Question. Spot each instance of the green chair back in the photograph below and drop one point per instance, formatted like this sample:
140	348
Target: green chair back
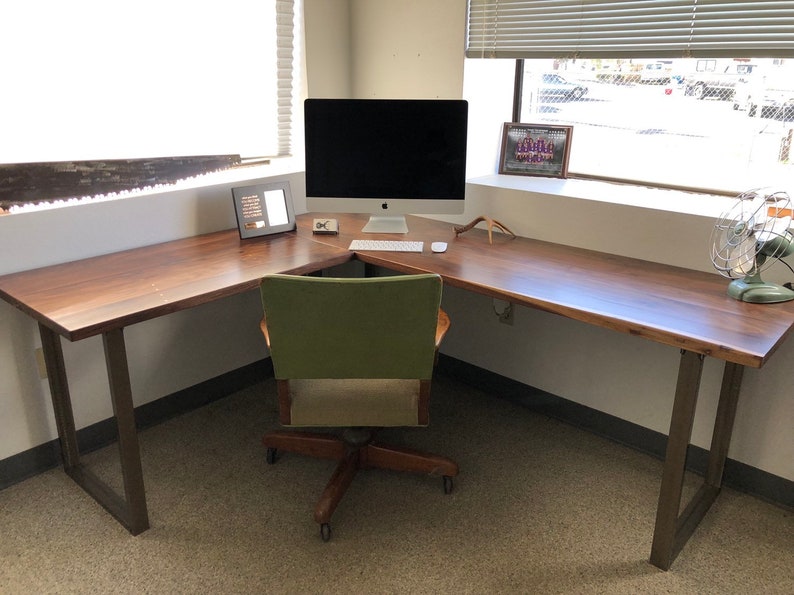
379	327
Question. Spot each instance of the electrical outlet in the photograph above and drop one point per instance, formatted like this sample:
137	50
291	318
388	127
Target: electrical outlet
506	317
40	363
504	311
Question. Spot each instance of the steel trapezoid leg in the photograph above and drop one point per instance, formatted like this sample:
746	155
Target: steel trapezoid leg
663	550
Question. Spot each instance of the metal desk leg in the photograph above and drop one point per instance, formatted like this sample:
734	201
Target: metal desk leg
129	510
59	392
673	529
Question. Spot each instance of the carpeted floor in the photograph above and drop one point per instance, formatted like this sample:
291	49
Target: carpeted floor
539	507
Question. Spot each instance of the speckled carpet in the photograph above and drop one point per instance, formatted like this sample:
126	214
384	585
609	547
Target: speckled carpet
539	507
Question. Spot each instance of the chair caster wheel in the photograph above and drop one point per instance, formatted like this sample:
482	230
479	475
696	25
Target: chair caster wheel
447	484
325	531
270	457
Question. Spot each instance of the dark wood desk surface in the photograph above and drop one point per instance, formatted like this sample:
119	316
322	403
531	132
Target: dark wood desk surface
674	306
88	297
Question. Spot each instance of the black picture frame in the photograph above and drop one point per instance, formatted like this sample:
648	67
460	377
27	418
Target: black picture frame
263	209
535	150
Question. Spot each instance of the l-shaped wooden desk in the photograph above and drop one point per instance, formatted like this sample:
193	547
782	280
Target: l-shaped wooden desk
685	309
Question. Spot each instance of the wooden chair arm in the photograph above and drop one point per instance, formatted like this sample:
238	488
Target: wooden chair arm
442	327
263	328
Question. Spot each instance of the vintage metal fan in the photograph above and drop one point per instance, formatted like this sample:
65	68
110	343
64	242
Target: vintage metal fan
748	238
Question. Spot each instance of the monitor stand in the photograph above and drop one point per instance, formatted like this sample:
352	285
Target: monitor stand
381	224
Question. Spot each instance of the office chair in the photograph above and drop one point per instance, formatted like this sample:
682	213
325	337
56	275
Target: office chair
356	354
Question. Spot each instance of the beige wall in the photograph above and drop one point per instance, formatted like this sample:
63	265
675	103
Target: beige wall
328	53
385	48
407	48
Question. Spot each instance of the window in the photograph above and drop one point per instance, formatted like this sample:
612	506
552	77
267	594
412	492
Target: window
146	86
652	89
679	123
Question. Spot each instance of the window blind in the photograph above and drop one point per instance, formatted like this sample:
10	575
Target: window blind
630	29
94	80
285	68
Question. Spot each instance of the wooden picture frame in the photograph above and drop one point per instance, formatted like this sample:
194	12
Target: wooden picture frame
535	150
263	209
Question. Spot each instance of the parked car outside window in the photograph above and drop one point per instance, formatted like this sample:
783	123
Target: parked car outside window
553	86
774	95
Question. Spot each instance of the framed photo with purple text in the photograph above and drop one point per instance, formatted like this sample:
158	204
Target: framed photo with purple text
535	150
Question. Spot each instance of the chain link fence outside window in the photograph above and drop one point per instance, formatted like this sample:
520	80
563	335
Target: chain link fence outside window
715	124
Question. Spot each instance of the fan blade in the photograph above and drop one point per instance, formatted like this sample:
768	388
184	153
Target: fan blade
775	226
741	258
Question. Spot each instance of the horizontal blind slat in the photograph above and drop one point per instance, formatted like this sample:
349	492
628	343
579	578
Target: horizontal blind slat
521	29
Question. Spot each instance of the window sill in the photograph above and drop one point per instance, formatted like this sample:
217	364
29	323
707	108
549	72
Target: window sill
673	201
658	225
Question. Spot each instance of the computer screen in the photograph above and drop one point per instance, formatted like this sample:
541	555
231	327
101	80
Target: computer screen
386	157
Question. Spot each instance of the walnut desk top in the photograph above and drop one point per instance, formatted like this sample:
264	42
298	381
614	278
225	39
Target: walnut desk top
670	305
88	297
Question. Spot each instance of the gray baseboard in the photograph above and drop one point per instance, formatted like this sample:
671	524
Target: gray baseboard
739	476
48	455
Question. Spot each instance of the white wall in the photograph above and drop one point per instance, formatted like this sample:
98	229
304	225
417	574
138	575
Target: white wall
625	376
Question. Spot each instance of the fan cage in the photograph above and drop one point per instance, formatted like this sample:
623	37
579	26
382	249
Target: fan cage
748	237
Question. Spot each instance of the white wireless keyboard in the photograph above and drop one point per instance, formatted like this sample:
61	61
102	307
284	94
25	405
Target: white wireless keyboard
386	245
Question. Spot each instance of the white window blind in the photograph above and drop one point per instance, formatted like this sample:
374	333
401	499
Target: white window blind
93	80
630	29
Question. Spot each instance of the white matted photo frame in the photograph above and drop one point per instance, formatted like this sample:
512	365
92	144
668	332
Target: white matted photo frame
263	209
535	150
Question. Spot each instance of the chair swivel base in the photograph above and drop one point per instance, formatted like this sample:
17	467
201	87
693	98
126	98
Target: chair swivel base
352	458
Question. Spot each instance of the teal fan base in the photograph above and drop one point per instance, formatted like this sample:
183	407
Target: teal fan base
753	289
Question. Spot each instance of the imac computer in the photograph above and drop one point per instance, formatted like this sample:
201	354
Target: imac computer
386	157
